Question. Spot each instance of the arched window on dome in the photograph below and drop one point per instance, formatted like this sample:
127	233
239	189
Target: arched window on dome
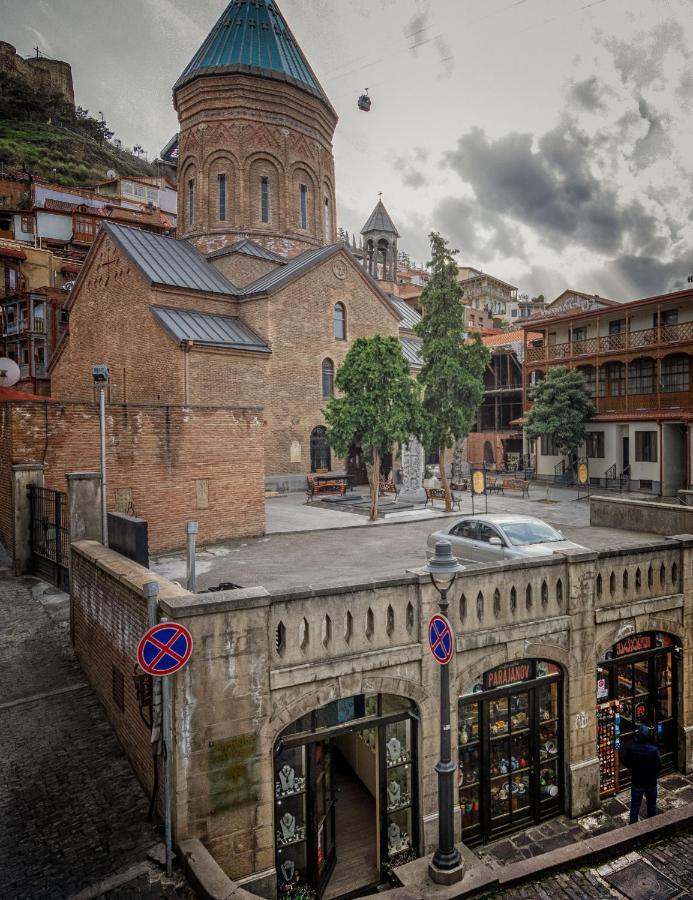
303	206
264	199
191	201
340	322
221	195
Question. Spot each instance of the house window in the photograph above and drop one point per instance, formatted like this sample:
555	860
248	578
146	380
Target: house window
641	376
666	317
675	375
264	199
28	224
303	190
221	179
39	359
85	229
327	379
617	380
340	322
594	444
590	376
580	334
617	326
646	446
548	446
191	201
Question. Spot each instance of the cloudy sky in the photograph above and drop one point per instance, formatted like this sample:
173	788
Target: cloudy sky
550	140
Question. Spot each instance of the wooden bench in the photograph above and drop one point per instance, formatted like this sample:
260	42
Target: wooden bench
333	486
433	494
516	484
493	485
388	487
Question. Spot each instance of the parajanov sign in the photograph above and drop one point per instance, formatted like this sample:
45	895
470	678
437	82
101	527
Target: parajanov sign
634	644
506	675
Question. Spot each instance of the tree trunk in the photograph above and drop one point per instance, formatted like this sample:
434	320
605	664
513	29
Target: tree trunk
375	484
444	479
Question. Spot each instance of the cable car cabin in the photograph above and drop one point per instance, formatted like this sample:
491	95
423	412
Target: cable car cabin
364	102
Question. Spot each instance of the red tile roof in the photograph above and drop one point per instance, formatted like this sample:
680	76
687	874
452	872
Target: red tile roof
9	395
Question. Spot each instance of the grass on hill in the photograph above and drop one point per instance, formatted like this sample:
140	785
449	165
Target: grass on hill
61	156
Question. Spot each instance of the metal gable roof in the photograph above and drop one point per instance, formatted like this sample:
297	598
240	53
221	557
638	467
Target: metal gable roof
409	318
249	248
411	349
294	267
252	36
208	329
169	262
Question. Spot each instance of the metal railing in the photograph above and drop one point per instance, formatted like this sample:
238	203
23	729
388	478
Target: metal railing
612	343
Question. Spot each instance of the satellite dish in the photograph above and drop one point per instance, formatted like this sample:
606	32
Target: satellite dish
111	173
9	372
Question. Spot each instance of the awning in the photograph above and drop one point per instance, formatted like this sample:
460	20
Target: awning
12	252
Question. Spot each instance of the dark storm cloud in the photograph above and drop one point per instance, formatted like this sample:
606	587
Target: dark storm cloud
551	189
588	94
477	231
642	276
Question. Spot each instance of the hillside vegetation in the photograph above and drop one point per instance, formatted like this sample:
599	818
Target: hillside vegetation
44	137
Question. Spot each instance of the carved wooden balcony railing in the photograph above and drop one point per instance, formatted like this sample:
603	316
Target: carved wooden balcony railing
613	343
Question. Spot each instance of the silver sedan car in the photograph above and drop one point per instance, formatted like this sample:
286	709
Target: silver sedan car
491	538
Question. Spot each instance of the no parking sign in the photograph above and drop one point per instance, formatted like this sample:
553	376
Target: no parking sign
164	649
440	639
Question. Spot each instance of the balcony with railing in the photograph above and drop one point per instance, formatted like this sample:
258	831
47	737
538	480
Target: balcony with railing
621	342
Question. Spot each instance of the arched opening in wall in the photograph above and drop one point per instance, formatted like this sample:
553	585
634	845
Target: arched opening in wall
675	373
510	724
327	379
320	456
489	455
365	748
637	684
370	258
327	220
383	260
641	376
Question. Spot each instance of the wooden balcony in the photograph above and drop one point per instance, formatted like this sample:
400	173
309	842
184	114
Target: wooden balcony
623	342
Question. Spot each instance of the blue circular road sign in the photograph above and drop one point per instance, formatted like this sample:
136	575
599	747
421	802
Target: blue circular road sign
440	639
165	648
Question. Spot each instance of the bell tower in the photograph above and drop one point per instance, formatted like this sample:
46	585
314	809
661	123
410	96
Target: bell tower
380	245
255	147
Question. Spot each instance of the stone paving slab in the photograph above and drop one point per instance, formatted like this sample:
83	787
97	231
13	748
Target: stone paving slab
675	790
71	810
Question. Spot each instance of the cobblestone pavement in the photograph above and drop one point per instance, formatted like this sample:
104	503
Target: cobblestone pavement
671	857
73	818
674	790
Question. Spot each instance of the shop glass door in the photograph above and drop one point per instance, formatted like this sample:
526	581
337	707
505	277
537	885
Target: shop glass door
322	842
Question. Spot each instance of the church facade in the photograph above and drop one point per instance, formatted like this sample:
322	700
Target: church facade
253	306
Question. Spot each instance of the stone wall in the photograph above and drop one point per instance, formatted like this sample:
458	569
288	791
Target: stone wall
641	515
263	660
169	464
6	481
49	76
109	616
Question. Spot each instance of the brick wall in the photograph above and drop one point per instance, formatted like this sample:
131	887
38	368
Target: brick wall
109	616
241	269
6	498
173	464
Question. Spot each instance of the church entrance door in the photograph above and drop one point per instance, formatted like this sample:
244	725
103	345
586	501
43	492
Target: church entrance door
356	465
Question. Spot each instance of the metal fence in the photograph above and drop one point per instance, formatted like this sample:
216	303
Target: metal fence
50	535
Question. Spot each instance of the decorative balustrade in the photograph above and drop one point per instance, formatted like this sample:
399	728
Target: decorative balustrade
612	343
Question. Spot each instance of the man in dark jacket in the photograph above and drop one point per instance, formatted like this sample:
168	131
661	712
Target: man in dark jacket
644	762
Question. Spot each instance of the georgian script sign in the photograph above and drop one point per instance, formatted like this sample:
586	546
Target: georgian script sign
634	644
506	675
568	302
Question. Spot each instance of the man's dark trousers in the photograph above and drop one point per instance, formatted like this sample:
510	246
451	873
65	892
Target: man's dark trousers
636	795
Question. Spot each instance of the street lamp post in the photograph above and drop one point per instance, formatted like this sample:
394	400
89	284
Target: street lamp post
447	865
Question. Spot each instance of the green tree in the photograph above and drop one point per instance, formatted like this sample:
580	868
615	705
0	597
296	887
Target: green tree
452	375
562	407
379	405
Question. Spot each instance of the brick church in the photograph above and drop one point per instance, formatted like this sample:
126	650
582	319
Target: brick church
223	343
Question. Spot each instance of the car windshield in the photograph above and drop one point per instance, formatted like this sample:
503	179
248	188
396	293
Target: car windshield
529	532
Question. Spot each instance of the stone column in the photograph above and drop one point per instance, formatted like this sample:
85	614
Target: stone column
412	468
84	506
23	475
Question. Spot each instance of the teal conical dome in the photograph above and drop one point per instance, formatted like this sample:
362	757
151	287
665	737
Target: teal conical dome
252	37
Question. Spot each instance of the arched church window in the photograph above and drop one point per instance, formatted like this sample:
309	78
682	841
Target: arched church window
264	199
191	201
327	379
303	209
221	193
328	227
340	322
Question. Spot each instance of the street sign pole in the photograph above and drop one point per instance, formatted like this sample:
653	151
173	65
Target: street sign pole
168	744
